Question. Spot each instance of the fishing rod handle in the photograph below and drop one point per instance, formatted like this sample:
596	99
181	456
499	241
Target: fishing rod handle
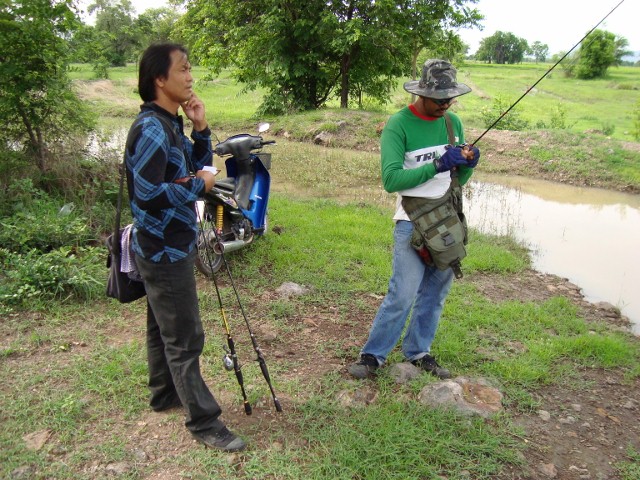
267	377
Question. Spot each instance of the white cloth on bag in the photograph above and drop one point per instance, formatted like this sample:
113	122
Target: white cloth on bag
127	257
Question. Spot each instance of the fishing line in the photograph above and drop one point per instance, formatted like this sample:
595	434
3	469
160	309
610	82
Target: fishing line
545	74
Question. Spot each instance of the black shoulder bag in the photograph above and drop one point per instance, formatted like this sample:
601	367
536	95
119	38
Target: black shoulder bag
119	285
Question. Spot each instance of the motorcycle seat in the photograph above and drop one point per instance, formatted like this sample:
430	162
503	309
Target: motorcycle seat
228	183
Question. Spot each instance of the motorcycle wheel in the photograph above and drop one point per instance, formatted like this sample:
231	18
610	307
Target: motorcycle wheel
207	262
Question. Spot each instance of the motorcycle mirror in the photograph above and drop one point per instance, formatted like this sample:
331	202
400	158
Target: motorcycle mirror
263	127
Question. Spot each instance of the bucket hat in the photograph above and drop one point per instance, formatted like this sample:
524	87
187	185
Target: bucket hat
438	81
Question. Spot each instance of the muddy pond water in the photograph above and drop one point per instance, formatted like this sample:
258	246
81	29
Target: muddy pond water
589	236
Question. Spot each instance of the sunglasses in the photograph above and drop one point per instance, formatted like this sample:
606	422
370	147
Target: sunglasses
441	101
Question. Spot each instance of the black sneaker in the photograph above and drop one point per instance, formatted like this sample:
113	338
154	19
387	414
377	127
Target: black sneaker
428	364
365	367
220	438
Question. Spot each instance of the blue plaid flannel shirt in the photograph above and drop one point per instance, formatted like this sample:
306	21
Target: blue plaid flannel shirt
165	222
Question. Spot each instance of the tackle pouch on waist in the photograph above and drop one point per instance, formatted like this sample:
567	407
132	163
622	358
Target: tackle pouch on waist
439	227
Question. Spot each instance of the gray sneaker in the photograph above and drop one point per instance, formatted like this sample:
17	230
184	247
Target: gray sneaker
366	367
428	364
221	438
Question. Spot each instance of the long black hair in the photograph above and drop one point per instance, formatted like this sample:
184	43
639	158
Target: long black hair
155	63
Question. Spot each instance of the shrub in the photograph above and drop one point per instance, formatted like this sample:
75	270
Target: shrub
35	220
61	274
511	121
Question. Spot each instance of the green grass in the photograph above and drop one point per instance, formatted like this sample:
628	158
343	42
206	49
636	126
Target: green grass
80	370
576	128
629	468
227	102
590	105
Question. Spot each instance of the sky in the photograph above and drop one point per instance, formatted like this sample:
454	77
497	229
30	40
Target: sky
560	24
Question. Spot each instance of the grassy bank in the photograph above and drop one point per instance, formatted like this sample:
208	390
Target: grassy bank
607	105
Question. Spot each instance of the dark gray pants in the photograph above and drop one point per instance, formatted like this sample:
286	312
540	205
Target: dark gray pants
175	339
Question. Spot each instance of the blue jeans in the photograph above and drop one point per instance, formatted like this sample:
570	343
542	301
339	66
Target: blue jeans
412	284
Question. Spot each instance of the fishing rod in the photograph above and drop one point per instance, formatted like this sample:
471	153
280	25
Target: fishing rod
230	358
545	74
260	357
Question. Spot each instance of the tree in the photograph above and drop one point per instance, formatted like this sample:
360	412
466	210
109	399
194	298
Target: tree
116	31
118	36
502	48
87	45
596	54
540	51
38	108
302	53
156	24
428	26
621	50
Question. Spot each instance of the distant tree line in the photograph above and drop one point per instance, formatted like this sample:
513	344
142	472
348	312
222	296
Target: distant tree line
599	51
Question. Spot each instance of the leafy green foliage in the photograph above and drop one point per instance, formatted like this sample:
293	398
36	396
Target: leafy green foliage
305	53
44	251
156	25
540	51
502	48
597	53
37	221
34	278
511	121
558	119
118	36
38	108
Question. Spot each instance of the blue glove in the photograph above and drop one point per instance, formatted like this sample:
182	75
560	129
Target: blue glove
476	157
452	158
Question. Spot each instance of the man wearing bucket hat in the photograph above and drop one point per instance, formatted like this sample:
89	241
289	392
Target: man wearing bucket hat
417	161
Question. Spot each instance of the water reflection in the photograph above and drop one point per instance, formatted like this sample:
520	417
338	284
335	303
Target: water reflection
590	236
106	144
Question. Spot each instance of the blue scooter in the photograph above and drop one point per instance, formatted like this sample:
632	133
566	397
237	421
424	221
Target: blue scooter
235	210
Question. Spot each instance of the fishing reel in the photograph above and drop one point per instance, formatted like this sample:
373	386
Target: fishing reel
227	360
